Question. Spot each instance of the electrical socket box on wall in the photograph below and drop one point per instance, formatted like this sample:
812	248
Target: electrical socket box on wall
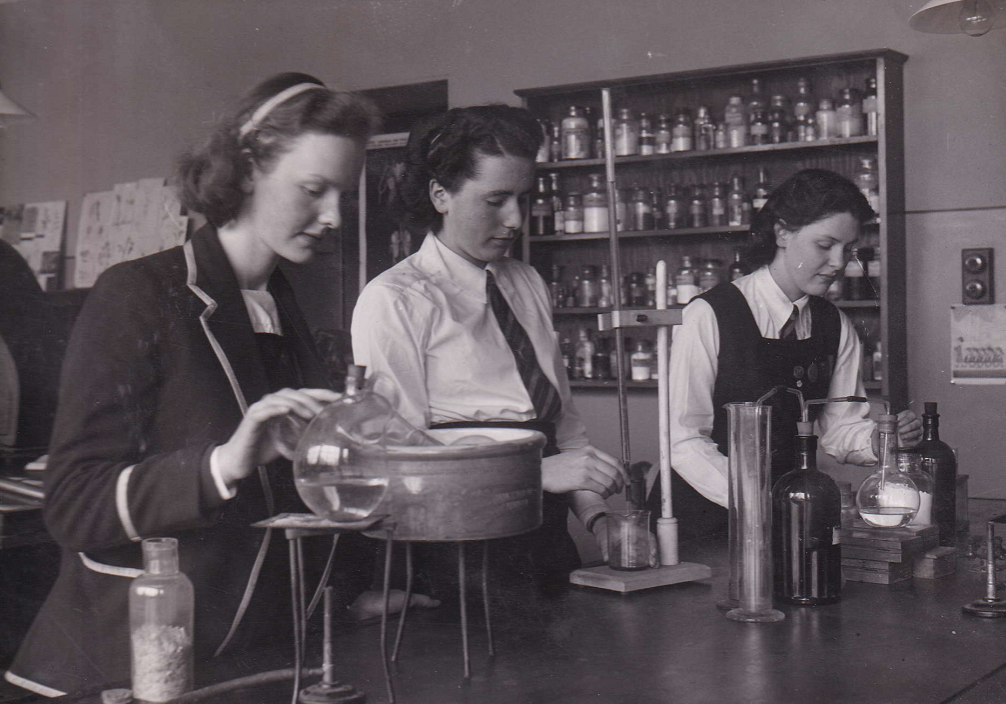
977	276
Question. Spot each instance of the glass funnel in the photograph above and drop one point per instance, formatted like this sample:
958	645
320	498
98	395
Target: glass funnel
888	498
339	464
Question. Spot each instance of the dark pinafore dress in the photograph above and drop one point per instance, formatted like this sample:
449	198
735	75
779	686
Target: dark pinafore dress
748	366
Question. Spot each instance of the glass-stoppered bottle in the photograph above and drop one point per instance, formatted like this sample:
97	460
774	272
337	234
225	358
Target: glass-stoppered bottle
762	190
736	122
826	119
738	267
595	205
778	120
604	294
910	463
573	214
662	137
698	210
803	104
641	210
626	141
575	134
686	280
642	361
888	498
718	205
681	132
704	130
868	181
161	603
871	111
558	211
587	288
849	113
939	460
736	200
676	208
542	218
647	140
806	519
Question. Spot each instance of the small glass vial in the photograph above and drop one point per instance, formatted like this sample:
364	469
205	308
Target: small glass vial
573	222
871	110
558	211
545	150
681	133
595	206
698	211
161	604
675	208
642	210
575	134
736	200
910	464
626	133
686	281
718	205
826	119
736	121
604	294
704	130
555	144
587	289
663	135
642	361
849	114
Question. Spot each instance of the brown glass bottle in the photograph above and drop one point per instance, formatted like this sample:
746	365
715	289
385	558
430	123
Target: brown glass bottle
939	460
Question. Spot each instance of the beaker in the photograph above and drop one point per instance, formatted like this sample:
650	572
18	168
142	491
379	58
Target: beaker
628	539
750	511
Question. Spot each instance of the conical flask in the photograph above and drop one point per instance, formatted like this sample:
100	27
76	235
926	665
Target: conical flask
750	511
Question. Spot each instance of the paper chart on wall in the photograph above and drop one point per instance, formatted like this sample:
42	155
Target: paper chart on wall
978	344
41	238
94	244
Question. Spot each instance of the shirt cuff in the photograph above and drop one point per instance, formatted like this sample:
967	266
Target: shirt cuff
225	492
588	507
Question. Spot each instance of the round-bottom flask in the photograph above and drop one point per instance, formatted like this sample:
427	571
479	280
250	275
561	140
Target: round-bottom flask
888	498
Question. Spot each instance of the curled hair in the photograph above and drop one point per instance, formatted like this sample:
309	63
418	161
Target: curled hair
447	148
804	198
210	176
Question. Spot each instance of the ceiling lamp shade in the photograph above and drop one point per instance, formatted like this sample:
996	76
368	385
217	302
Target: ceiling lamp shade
973	17
11	111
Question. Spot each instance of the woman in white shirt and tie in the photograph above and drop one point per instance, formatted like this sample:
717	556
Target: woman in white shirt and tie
465	332
770	328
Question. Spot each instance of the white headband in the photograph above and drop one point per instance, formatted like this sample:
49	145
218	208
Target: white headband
267	107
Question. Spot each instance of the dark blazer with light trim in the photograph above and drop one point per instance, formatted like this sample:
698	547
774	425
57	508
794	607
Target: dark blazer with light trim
158	359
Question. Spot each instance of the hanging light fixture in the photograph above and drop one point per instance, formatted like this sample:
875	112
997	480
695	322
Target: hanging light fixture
972	17
11	111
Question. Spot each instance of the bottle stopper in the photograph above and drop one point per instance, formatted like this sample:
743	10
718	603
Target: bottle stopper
804	428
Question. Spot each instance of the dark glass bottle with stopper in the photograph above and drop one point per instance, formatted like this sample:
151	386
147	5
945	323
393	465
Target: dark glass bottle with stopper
806	518
939	460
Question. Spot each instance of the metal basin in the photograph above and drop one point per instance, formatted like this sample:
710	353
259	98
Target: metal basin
463	492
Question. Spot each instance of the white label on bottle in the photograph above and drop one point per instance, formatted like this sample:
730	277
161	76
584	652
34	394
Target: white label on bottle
595	219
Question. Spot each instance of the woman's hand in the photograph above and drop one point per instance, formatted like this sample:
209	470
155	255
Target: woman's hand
252	444
584	468
909	429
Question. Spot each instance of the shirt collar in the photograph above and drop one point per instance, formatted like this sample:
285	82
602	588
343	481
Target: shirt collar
457	269
778	303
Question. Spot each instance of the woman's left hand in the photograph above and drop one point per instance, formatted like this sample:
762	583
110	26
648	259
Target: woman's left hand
909	429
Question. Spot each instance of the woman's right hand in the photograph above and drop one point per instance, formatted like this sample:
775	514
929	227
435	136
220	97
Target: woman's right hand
584	468
252	444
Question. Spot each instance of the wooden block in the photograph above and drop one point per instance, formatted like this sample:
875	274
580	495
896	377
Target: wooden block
935	563
619	581
896	553
894	569
856	575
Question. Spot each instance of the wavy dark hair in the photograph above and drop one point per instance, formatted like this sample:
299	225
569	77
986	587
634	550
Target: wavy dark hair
447	148
804	198
210	176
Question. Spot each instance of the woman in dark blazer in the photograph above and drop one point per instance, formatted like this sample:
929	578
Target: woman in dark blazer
176	364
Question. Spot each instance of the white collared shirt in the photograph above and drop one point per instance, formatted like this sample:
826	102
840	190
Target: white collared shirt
426	323
846	431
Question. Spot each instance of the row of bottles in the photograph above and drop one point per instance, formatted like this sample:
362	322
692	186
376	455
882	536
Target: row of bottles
590	358
911	487
861	278
638	209
757	118
591	285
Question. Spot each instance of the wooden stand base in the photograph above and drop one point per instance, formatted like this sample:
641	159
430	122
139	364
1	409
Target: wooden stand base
620	581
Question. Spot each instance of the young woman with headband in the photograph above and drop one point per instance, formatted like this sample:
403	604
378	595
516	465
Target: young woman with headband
177	363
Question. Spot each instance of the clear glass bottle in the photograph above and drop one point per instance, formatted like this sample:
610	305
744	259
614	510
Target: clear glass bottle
757	100
676	208
636	290
626	133
871	111
686	280
758	129
662	136
542	219
555	145
161	603
806	519
657	208
595	205
849	113
584	355
698	208
941	463
762	190
601	362
804	103
738	267
681	132
826	119
704	130
736	200
736	122
545	150
587	289
642	210
778	120
604	295
710	275
556	291
651	286
558	211
910	464
647	140
887	498
718	205
868	181
721	139
573	220
855	278
642	361
575	134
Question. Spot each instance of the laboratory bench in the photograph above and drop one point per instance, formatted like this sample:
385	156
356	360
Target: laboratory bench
908	642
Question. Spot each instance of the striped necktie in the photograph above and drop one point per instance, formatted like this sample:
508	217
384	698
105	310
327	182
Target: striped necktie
788	331
544	397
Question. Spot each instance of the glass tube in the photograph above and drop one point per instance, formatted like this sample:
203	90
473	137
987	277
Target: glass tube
751	511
